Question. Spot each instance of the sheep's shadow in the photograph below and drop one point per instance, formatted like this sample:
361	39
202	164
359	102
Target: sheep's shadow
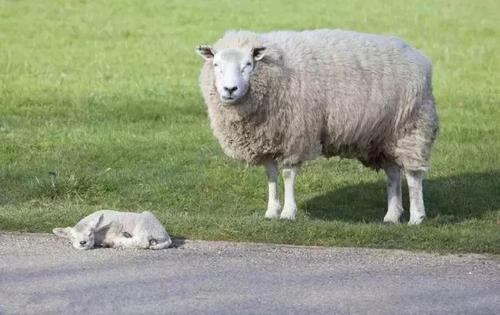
448	199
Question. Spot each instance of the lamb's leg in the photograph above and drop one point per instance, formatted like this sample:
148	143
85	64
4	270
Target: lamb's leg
394	198
131	242
273	203
417	209
290	207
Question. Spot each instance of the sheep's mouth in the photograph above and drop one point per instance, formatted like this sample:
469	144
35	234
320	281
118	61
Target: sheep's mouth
229	100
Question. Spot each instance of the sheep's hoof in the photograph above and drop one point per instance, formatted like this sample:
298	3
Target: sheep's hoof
287	216
273	210
392	215
288	212
416	221
391	221
272	214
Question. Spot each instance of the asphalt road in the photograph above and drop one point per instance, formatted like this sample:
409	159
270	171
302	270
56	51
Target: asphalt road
42	274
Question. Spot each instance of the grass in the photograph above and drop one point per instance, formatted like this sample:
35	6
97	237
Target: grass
100	108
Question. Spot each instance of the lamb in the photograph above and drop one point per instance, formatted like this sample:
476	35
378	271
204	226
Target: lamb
108	228
287	97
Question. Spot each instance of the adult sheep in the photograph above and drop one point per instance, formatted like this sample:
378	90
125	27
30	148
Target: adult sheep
287	97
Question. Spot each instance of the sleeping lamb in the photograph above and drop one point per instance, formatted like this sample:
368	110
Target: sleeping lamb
108	228
287	97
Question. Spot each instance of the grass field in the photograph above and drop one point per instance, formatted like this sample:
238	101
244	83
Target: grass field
100	108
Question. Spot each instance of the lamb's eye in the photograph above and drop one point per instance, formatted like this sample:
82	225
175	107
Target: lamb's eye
216	64
248	64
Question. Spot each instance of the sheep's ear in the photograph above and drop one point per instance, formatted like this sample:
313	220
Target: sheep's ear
62	232
206	52
258	53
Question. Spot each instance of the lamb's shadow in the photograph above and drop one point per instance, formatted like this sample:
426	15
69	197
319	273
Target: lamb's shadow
447	199
178	241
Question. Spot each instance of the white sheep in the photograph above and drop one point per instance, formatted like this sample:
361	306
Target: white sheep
289	97
108	228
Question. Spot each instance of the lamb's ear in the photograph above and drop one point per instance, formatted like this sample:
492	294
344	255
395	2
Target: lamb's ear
62	232
94	223
258	53
206	52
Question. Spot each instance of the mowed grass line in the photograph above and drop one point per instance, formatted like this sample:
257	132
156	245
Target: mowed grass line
100	108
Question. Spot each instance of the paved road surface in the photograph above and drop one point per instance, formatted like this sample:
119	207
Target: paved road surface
41	274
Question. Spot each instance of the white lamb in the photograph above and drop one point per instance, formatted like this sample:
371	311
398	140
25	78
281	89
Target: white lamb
108	228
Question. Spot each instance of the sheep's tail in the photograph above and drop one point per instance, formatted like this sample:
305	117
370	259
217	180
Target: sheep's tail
161	245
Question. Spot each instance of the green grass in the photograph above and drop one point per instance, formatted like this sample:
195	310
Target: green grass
100	108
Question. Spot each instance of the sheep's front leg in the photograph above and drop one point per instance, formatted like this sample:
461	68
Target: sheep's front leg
417	209
273	203
394	198
290	207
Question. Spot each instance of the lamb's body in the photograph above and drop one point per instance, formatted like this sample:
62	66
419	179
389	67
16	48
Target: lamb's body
127	229
328	92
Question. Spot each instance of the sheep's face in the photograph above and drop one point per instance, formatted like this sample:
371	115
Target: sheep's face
232	68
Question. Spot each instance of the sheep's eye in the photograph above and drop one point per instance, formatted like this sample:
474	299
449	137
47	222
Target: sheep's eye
248	64
216	64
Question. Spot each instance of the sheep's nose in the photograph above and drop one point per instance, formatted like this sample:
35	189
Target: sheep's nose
83	242
230	89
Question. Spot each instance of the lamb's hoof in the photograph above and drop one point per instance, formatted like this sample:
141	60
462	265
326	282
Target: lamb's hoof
416	221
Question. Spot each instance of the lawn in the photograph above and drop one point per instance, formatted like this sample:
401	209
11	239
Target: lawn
100	108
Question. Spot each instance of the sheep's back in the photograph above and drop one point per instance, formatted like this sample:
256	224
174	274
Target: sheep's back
364	87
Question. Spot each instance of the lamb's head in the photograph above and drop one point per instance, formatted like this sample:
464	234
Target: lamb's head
82	236
232	68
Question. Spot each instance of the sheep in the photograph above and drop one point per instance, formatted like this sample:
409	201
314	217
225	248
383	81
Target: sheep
287	97
108	228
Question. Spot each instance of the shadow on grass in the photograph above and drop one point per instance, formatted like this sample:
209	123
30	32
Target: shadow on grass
448	200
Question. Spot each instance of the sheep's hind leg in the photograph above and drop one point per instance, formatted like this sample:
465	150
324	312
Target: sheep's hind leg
394	198
417	209
273	203
290	208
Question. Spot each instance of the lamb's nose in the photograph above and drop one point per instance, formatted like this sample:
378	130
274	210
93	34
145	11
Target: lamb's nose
83	242
230	89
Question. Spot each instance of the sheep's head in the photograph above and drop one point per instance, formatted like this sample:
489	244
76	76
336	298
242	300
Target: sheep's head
81	236
232	68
